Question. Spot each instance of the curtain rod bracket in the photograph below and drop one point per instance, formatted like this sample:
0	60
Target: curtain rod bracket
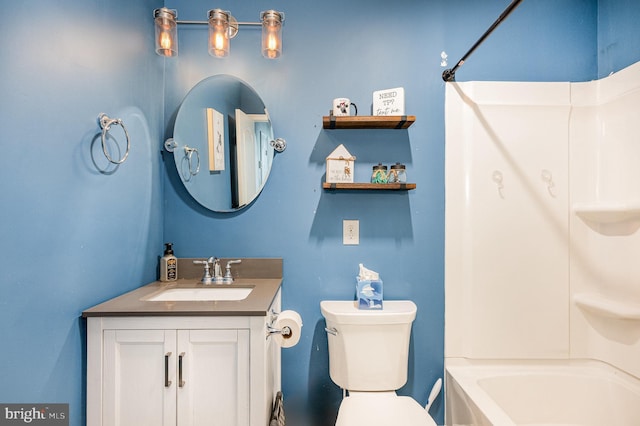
449	75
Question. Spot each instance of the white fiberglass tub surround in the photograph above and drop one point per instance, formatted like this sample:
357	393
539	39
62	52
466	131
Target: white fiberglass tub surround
542	235
540	393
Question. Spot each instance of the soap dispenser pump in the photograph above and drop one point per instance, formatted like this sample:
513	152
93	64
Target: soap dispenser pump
168	264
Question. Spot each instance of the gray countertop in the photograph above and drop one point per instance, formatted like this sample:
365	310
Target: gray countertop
264	274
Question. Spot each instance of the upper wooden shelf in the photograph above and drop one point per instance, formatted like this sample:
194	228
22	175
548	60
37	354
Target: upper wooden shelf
368	122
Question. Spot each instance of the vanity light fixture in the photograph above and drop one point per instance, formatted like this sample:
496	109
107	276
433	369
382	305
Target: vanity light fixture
222	28
271	33
219	33
166	31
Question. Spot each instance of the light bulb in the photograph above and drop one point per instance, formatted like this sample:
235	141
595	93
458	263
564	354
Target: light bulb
165	40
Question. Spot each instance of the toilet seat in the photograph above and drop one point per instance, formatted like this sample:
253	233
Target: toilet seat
382	409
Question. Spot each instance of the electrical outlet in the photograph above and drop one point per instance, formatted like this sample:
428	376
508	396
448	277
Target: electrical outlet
350	232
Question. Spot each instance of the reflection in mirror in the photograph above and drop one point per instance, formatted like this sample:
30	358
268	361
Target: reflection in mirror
224	120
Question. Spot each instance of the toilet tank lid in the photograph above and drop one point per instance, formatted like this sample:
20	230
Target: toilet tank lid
347	312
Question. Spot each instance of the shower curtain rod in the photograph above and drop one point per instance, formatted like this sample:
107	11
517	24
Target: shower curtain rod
450	74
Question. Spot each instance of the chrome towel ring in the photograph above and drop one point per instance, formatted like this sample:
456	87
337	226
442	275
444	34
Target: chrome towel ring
105	124
188	152
193	165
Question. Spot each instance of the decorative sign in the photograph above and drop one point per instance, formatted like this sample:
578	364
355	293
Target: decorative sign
389	102
215	137
340	166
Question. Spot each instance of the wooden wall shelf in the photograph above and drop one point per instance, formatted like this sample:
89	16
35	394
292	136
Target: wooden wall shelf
363	186
368	122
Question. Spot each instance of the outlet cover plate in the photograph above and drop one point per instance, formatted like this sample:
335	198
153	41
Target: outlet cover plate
350	232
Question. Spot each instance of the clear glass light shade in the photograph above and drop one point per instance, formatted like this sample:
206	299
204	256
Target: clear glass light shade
166	32
271	33
218	33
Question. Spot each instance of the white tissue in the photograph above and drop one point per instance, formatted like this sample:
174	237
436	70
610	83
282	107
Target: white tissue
367	274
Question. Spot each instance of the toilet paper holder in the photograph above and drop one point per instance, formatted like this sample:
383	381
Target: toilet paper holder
285	331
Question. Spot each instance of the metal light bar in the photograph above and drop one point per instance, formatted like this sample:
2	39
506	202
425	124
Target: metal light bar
222	27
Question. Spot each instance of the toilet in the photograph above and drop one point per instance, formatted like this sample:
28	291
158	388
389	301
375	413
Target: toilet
368	358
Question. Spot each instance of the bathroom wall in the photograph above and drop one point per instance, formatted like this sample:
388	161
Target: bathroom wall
617	33
542	219
605	218
72	236
507	196
334	49
74	231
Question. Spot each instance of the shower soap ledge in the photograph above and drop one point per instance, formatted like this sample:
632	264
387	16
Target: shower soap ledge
608	308
608	213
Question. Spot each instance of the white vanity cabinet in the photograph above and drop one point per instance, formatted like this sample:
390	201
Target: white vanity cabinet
205	376
181	370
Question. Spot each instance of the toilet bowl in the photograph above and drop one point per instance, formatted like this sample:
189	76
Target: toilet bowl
368	357
382	409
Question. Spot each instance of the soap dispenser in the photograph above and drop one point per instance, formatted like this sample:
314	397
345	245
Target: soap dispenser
168	264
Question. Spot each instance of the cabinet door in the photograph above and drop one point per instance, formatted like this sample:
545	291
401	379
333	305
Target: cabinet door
138	366
214	365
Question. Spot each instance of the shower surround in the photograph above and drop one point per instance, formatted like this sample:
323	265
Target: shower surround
542	218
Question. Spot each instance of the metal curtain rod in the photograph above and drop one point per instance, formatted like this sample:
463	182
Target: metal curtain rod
450	74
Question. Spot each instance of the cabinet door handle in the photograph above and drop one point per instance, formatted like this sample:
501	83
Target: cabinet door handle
167	382
180	381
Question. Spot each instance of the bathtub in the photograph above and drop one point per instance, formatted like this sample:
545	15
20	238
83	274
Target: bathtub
539	393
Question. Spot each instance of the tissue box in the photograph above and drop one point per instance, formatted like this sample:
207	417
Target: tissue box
369	294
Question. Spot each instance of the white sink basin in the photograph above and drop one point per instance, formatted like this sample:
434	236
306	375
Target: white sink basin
201	293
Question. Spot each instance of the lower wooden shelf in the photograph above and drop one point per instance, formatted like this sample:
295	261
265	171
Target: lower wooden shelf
365	186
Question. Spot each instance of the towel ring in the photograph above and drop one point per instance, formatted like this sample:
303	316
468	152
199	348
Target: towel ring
189	153
105	124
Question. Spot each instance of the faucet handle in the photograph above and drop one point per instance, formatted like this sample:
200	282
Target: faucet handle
228	278
206	277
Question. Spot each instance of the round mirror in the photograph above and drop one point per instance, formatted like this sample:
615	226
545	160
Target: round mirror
222	143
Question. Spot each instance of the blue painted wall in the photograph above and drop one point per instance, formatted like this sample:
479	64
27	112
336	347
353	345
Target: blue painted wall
76	231
618	35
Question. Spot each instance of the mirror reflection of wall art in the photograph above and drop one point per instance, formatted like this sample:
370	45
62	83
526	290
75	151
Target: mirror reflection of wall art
215	136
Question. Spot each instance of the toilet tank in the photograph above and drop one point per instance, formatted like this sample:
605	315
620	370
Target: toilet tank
368	349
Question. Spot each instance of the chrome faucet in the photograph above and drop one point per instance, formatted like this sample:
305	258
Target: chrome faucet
217	272
228	278
207	278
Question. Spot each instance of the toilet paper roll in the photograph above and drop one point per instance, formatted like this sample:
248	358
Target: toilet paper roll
293	323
